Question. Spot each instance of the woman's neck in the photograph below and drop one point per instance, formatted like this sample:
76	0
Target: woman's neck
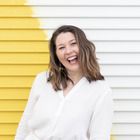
75	77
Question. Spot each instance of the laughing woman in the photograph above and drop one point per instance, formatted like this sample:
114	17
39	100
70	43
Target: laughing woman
72	100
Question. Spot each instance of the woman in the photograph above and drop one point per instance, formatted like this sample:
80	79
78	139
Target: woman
72	101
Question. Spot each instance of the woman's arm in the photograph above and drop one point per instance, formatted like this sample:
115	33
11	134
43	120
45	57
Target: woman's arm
101	122
22	129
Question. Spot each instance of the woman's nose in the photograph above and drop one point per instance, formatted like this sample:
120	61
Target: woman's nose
68	50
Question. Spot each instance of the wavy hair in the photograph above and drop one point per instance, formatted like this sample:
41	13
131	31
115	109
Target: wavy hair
87	59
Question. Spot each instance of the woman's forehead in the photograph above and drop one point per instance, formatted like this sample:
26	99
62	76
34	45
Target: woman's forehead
65	37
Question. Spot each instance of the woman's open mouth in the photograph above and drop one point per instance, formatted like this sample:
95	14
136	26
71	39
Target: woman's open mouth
72	59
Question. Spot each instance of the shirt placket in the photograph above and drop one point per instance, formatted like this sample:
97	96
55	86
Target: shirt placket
57	115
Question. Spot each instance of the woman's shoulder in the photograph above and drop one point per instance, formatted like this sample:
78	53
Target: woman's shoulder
42	76
104	84
44	73
101	89
101	86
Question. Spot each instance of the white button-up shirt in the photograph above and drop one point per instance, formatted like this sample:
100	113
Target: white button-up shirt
85	113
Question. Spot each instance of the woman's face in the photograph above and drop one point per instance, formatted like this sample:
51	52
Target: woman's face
67	51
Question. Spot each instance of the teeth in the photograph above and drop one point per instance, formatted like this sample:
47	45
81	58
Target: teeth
71	58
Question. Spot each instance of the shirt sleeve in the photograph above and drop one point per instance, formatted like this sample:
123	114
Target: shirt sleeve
22	129
101	121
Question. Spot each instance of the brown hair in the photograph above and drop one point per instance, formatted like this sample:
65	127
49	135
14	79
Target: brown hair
87	59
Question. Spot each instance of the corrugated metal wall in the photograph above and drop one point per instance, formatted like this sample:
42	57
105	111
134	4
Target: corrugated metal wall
113	26
23	53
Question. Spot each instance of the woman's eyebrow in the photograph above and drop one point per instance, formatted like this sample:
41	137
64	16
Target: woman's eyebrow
72	40
60	44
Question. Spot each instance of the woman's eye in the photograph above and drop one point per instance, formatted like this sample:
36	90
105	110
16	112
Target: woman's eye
73	43
61	48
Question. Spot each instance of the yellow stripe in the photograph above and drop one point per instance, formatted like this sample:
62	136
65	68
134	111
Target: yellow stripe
12	2
15	11
12	105
7	129
21	70
14	117
16	82
6	137
24	58
19	23
9	93
22	46
22	35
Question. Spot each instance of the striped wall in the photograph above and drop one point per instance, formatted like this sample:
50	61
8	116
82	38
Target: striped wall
113	26
23	53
